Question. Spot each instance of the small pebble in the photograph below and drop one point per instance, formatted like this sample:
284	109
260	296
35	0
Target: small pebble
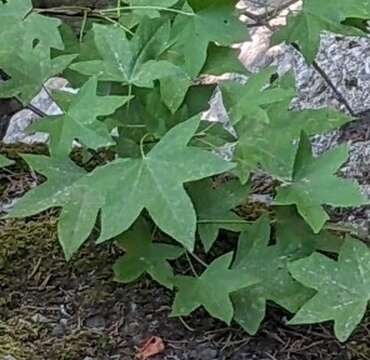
8	357
58	331
40	319
96	322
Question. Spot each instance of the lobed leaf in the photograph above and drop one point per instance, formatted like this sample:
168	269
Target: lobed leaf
130	62
314	184
214	207
305	29
275	283
144	256
211	290
79	121
342	287
4	162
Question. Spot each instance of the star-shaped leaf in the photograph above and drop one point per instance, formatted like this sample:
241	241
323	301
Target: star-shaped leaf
122	189
155	182
242	103
220	60
130	62
211	290
212	21
144	256
276	284
80	202
214	205
266	138
18	23
316	17
4	162
296	237
79	120
273	145
314	184
343	287
28	70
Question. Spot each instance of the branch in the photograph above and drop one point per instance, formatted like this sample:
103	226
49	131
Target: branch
341	99
263	19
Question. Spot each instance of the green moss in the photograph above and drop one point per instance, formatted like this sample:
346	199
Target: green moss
15	337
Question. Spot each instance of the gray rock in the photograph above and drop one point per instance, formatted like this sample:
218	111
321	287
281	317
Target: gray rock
16	132
358	164
96	322
204	352
40	319
58	331
8	357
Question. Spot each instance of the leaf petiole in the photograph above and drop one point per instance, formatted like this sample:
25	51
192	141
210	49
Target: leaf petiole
142	145
115	22
148	7
221	221
192	268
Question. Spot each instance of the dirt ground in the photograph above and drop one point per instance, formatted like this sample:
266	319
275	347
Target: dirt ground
53	310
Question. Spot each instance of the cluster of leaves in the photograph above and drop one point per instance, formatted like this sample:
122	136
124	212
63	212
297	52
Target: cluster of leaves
138	69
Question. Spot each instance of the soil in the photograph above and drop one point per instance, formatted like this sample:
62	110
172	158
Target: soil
50	309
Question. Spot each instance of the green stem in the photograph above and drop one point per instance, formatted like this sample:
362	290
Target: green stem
118	8
62	8
224	221
205	142
149	7
192	268
83	26
107	18
204	131
142	145
129	94
133	126
200	261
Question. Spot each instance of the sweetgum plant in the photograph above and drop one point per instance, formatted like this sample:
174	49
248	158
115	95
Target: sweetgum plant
166	194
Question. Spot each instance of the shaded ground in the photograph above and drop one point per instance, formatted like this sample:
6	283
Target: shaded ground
53	310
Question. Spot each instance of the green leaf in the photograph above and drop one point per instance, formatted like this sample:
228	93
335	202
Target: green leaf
273	144
314	184
155	182
18	23
130	62
62	189
4	162
28	70
246	101
213	135
296	237
213	21
214	205
316	17
343	287
222	60
259	110
79	120
211	290
122	189
282	136
255	256
144	256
